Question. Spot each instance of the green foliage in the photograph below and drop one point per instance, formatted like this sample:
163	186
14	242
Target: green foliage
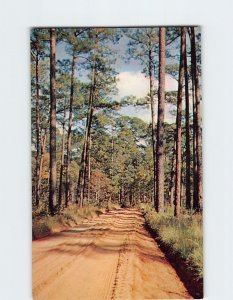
41	228
173	70
121	158
141	42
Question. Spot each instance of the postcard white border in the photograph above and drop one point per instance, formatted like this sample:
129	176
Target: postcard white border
16	18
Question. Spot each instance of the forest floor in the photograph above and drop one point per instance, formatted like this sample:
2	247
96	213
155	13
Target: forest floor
111	256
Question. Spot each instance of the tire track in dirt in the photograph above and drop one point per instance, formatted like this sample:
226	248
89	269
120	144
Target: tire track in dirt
121	272
110	257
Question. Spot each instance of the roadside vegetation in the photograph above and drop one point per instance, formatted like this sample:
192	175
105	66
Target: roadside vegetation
44	224
183	236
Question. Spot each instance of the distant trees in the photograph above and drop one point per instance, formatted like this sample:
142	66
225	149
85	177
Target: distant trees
123	156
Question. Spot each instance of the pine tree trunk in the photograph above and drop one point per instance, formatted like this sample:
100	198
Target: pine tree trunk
43	145
38	130
187	132
182	178
52	164
172	176
67	196
152	100
81	180
89	170
62	158
198	124
160	125
194	148
85	156
178	125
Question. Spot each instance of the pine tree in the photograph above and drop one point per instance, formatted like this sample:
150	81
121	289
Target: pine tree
187	132
178	125
197	128
52	164
160	125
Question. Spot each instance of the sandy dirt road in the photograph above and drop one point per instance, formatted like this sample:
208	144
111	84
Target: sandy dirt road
109	257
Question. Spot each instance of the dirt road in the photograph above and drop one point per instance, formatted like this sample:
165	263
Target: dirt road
109	257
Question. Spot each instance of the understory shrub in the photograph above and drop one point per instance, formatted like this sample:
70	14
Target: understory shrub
44	224
183	235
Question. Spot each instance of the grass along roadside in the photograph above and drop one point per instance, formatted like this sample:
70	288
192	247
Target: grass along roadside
181	240
44	224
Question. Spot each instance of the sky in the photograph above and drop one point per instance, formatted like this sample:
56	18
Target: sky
131	81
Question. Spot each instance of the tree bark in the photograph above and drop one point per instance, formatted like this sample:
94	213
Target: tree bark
81	180
178	125
187	131
52	164
62	158
84	157
172	176
182	177
89	170
43	145
160	125
152	100
198	123
67	196
194	148
38	129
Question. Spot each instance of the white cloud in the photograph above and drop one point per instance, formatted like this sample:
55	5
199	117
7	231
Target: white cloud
136	84
144	113
132	83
